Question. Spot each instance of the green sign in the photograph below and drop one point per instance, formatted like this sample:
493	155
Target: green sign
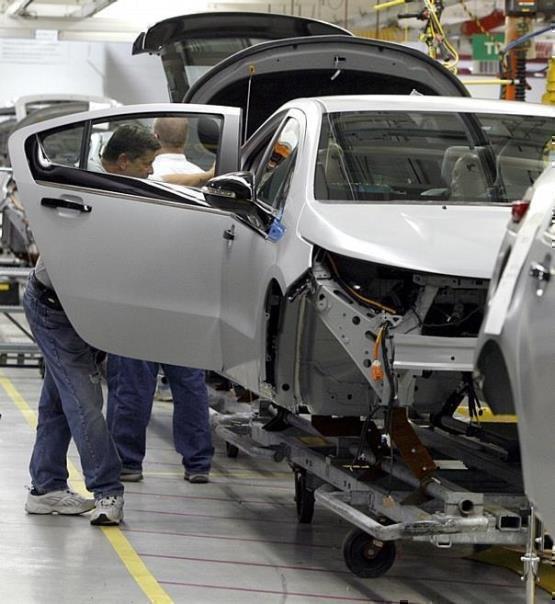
486	48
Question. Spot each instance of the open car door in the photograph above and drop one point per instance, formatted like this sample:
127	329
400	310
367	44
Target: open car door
136	262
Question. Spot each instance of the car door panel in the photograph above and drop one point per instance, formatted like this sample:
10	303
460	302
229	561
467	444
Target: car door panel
251	259
533	331
137	272
247	263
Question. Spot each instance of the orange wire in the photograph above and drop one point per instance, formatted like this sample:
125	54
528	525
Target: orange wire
359	296
377	343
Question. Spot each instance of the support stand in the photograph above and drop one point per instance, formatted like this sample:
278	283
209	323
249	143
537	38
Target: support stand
531	560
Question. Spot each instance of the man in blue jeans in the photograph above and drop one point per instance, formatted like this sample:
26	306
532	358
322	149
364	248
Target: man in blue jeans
70	405
131	387
132	383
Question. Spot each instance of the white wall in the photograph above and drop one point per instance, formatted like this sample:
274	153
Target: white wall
96	68
133	79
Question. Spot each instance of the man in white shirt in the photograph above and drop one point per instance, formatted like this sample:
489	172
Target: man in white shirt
171	133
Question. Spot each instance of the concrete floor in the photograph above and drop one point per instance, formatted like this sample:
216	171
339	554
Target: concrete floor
233	540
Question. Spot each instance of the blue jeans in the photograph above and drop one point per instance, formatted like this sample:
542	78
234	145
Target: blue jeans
70	405
131	387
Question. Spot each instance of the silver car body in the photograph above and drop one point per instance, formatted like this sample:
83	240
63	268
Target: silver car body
197	285
515	356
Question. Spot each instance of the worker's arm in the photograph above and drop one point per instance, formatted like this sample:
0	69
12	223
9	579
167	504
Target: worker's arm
188	180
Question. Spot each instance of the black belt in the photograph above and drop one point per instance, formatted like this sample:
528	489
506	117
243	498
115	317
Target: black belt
46	294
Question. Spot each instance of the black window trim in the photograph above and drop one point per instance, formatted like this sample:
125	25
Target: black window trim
112	183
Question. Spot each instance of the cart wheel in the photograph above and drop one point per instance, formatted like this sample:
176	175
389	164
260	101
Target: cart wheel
367	557
231	451
304	498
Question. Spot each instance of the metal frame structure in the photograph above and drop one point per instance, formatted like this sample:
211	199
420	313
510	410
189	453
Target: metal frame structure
473	497
16	354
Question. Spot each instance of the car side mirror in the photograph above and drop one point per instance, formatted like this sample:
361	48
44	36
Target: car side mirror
233	192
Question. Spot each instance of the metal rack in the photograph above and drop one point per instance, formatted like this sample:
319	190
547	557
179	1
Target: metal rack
17	354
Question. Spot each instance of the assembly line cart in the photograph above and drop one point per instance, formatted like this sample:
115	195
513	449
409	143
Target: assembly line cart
475	494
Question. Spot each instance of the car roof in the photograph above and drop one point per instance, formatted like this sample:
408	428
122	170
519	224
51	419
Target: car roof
332	104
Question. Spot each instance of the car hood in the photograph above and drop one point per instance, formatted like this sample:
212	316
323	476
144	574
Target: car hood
265	75
458	240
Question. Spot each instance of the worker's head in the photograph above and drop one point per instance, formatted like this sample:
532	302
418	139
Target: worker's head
130	151
171	132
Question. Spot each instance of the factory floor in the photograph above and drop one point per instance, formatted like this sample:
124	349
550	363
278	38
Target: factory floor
235	539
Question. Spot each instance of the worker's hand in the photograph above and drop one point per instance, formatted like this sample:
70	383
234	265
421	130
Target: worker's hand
211	171
205	176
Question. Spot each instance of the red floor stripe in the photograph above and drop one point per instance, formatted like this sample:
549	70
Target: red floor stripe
225	538
285	593
330	570
260	564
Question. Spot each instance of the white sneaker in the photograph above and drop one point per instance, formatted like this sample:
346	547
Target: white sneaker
108	511
58	502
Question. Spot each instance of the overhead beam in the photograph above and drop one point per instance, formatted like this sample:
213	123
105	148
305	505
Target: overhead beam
91	8
17	8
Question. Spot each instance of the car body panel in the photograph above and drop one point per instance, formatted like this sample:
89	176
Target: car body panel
188	45
445	239
149	307
265	76
516	353
225	315
246	26
259	61
34	108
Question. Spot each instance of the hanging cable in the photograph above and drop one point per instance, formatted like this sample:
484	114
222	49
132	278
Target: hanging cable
354	293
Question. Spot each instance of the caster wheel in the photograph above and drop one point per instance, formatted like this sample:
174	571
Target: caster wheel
304	498
231	451
367	557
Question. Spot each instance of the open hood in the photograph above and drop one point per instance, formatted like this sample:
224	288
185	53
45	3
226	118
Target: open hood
189	45
263	68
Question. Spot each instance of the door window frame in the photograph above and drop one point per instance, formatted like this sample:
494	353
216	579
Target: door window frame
42	170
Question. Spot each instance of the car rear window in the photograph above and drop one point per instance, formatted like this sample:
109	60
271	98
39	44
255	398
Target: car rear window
430	157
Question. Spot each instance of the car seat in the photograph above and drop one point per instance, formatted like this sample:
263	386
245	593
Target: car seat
331	181
468	181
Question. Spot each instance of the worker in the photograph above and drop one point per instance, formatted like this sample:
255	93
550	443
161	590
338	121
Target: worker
71	399
132	382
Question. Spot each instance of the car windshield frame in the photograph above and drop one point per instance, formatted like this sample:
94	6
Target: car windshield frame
430	157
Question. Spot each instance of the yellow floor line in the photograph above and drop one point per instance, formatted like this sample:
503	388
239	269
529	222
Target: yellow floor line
486	415
507	558
132	561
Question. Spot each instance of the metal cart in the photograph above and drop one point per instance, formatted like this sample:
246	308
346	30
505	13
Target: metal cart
470	494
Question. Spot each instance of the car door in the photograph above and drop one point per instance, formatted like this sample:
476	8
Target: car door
137	263
251	259
532	330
